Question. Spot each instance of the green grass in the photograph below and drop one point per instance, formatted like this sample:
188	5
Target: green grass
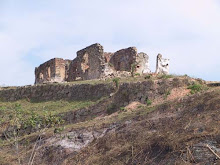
148	102
116	81
30	110
50	106
195	88
164	76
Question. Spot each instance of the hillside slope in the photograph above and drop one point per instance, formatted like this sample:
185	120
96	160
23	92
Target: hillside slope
166	120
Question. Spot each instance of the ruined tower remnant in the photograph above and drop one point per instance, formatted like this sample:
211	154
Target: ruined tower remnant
162	65
53	70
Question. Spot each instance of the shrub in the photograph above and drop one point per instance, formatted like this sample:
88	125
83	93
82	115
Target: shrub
148	102
52	120
137	74
147	77
33	121
111	109
116	81
133	69
58	130
122	109
167	93
195	88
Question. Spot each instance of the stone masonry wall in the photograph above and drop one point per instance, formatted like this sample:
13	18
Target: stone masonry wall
53	70
57	91
60	70
67	67
72	73
126	94
93	63
141	91
123	59
89	63
108	56
142	61
45	71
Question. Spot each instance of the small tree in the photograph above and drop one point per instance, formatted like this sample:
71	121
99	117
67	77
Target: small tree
133	68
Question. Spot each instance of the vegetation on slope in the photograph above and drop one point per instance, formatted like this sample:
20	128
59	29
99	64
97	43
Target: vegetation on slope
165	131
173	133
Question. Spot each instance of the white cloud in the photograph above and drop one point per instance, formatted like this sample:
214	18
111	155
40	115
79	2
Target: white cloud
186	31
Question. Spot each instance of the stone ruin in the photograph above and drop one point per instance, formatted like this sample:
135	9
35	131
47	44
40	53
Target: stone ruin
162	65
93	63
54	70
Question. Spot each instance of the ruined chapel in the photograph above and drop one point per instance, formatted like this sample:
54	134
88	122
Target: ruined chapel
93	63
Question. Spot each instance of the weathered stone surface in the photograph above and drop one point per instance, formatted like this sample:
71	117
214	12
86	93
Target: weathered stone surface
93	63
59	91
162	65
126	94
143	66
108	56
123	59
53	70
72	70
107	71
67	68
141	91
89	63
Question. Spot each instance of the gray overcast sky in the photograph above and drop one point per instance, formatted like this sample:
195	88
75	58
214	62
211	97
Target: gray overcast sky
185	31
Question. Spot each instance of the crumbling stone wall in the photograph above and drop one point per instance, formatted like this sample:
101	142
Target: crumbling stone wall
53	70
93	63
107	71
123	59
107	56
88	64
162	65
72	70
67	68
142	63
45	71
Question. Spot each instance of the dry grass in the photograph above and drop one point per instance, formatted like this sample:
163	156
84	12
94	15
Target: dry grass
163	133
162	140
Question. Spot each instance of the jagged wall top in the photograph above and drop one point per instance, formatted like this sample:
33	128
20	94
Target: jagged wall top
93	63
